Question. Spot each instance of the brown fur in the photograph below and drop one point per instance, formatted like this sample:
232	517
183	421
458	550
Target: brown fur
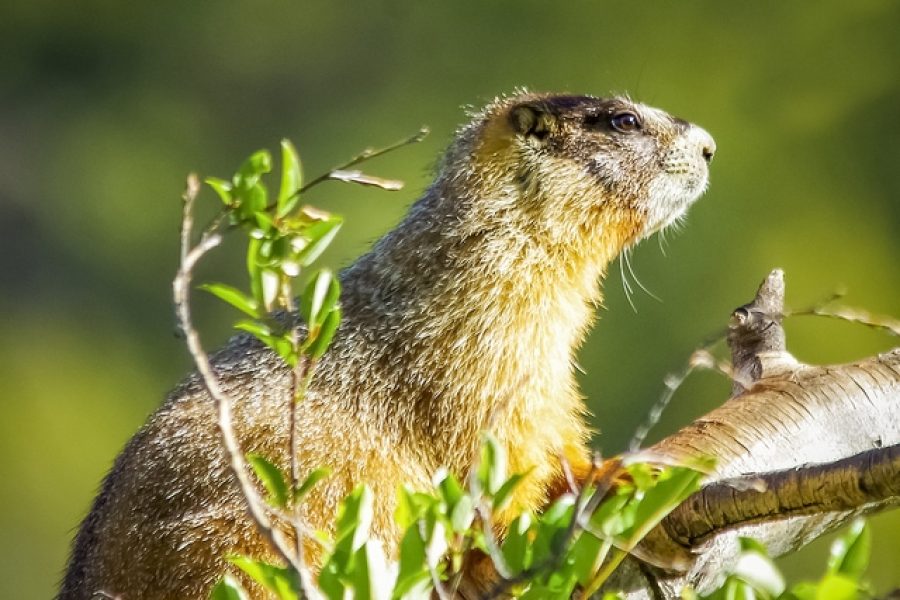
463	318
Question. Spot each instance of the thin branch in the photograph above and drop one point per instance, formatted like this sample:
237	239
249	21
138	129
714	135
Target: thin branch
465	552
365	155
582	499
603	485
852	315
215	222
297	374
700	358
181	293
355	176
871	477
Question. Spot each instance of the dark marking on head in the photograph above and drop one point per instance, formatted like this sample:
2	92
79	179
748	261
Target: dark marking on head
532	119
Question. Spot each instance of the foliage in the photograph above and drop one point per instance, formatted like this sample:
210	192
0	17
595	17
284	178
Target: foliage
576	543
757	577
546	555
281	242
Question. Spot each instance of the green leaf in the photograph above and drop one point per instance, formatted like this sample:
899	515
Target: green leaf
737	589
850	552
371	577
352	532
264	221
516	546
316	349
319	298
804	590
254	247
359	574
615	514
449	487
462	514
405	514
228	588
234	297
222	188
355	517
254	200
551	525
310	481
756	568
330	583
411	506
673	486
413	570
272	478
270	284
585	557
750	545
257	328
256	165
837	587
283	582
492	467
319	235
260	330
643	475
280	342
289	194
503	495
283	345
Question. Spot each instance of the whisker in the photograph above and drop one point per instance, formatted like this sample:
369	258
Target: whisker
626	286
662	240
627	256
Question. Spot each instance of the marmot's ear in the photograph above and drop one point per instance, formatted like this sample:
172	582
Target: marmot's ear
532	120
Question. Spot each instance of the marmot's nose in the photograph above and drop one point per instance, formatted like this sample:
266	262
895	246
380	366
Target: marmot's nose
706	143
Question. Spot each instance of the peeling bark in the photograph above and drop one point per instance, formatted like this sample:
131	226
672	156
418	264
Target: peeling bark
801	450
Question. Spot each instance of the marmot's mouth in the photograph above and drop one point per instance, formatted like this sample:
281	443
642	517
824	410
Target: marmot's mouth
670	195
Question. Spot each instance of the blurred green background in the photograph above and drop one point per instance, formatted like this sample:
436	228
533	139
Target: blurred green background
105	106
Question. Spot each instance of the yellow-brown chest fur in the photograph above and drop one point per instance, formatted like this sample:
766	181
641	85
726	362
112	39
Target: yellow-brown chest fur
488	342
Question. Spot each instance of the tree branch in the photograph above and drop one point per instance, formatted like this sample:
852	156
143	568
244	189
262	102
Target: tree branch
181	294
801	450
870	478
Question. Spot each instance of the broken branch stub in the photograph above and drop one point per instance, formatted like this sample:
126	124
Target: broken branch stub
800	450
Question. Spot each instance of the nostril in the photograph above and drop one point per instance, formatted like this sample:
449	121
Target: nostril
705	143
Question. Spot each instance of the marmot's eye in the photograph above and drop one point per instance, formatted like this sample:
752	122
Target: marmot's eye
625	122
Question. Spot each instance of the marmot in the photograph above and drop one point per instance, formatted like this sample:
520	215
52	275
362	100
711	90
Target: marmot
465	317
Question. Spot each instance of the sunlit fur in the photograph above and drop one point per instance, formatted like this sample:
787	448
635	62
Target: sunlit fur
465	317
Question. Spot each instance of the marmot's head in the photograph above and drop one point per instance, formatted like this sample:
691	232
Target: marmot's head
578	164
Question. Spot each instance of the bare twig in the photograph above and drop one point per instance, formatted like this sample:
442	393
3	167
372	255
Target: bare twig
298	391
569	476
852	315
361	178
698	359
190	255
365	155
298	374
602	486
465	552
